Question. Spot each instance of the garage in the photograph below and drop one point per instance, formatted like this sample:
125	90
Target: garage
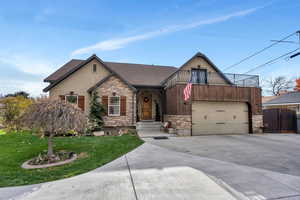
219	118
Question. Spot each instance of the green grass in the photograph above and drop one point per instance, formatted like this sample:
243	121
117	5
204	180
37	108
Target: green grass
16	148
2	132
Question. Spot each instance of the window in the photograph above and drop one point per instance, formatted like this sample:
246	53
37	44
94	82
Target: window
199	76
114	106
72	99
94	67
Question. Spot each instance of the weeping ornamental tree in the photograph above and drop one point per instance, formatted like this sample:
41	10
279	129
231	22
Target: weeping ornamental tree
97	110
54	117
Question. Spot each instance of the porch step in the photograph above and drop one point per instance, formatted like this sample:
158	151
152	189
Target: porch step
149	125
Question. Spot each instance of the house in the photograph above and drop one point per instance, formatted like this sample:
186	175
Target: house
290	100
133	93
265	99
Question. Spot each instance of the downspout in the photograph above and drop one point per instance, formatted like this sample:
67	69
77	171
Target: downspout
133	110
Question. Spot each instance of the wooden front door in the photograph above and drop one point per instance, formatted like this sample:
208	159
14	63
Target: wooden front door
147	107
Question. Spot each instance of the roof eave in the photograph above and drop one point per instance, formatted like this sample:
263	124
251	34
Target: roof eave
279	104
94	56
148	86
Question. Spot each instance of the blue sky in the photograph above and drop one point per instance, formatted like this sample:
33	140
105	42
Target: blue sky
37	37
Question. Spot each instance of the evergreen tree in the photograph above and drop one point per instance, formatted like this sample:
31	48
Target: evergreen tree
96	112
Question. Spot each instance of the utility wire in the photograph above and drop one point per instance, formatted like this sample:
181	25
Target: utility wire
271	61
258	52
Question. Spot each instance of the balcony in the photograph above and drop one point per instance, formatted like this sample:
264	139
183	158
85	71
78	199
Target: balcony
214	78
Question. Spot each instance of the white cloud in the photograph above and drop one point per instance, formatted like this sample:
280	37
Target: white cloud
119	43
29	65
34	88
30	80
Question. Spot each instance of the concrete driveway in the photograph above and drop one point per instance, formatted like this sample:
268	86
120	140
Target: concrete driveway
148	172
265	166
204	167
275	152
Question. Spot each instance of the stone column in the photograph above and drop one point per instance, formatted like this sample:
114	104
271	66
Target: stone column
257	123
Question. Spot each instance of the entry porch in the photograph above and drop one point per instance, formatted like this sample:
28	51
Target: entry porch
150	104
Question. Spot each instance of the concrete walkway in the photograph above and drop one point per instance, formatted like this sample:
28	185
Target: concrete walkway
148	172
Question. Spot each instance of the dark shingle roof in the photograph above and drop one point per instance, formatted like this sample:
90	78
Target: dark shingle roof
63	70
135	74
141	74
291	97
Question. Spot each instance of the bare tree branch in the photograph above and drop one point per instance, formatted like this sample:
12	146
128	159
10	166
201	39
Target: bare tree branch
276	85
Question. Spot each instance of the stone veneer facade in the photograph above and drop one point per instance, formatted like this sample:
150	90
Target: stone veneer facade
182	123
115	85
257	123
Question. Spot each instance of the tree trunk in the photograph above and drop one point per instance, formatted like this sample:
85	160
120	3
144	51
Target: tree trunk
50	146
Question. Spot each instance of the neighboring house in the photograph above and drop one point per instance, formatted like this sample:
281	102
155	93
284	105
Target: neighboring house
265	99
290	100
220	103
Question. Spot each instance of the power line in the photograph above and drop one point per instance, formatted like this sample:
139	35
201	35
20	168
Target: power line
271	61
258	52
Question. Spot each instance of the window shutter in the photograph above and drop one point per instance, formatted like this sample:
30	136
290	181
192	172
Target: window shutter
105	103
81	102
62	97
123	105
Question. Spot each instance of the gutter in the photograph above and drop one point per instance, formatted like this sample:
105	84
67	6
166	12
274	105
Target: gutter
280	104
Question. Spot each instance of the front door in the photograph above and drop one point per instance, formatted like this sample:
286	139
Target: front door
147	107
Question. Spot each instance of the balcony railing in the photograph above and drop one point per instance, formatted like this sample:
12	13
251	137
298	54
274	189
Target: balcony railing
214	78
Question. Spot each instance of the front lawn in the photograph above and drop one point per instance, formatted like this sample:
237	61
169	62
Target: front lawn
2	132
16	148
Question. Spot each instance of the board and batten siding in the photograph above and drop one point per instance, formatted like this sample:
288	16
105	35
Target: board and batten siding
177	106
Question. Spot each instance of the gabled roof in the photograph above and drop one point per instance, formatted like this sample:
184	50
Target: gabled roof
63	70
133	74
91	89
74	69
208	61
288	98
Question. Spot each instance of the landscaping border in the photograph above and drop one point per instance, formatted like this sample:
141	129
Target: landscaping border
26	164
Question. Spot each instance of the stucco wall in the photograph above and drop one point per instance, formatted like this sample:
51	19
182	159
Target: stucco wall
113	84
80	81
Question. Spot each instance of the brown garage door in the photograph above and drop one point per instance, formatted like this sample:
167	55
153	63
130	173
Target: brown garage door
219	118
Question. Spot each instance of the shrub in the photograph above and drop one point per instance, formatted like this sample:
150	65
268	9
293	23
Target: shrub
20	93
14	108
97	110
